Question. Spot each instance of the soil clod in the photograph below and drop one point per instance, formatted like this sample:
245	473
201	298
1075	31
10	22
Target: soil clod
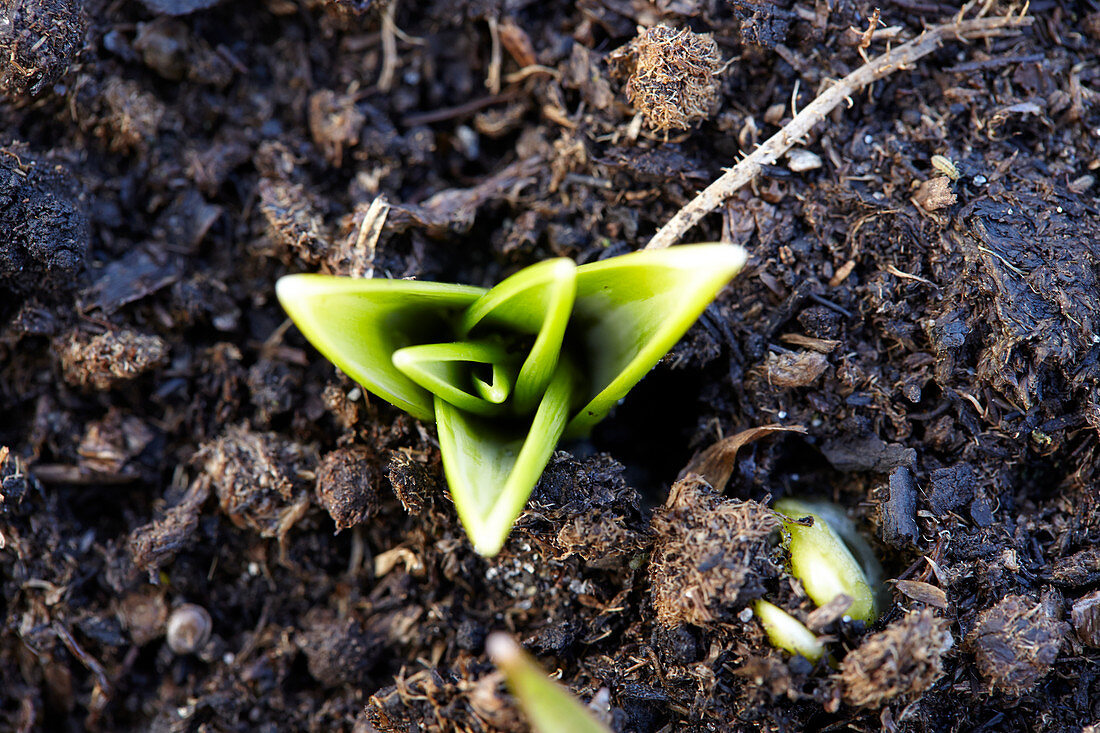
347	486
260	479
1015	643
904	659
105	360
711	556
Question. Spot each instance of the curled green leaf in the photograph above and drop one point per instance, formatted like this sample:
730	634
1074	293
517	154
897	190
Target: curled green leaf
449	371
506	372
359	324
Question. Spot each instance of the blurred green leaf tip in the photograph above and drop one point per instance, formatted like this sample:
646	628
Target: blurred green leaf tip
505	373
549	707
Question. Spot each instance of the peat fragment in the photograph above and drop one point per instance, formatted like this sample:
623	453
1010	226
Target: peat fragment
260	479
905	658
1015	643
38	41
347	486
673	82
711	555
338	651
101	361
44	231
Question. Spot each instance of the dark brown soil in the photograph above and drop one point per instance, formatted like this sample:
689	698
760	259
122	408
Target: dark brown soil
168	439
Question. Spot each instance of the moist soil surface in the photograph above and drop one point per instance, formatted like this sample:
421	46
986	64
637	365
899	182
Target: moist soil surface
205	526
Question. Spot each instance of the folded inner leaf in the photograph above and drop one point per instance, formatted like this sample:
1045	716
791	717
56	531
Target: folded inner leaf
536	300
631	310
491	468
358	324
499	385
448	371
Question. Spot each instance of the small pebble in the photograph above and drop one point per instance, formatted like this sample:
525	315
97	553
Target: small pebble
800	160
189	629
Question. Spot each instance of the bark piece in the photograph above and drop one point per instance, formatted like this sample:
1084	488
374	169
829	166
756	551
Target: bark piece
899	525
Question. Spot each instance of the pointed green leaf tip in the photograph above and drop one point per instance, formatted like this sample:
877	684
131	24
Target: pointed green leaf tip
632	309
492	466
506	372
549	707
359	324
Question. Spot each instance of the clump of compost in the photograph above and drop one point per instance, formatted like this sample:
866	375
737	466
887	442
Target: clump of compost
672	76
1015	643
712	555
905	658
38	40
261	479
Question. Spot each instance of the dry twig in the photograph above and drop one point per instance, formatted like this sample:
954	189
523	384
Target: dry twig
778	144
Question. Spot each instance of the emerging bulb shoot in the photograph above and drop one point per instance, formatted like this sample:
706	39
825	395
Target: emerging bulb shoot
822	560
788	633
823	555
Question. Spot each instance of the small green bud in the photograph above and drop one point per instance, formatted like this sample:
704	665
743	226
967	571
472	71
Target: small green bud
549	706
786	632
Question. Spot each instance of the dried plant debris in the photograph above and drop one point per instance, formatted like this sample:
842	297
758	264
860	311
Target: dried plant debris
261	479
711	556
1015	642
104	360
1085	614
347	485
672	76
904	659
45	228
155	544
38	41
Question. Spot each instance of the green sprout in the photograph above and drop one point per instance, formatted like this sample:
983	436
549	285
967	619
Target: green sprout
786	632
549	707
506	373
820	557
823	556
